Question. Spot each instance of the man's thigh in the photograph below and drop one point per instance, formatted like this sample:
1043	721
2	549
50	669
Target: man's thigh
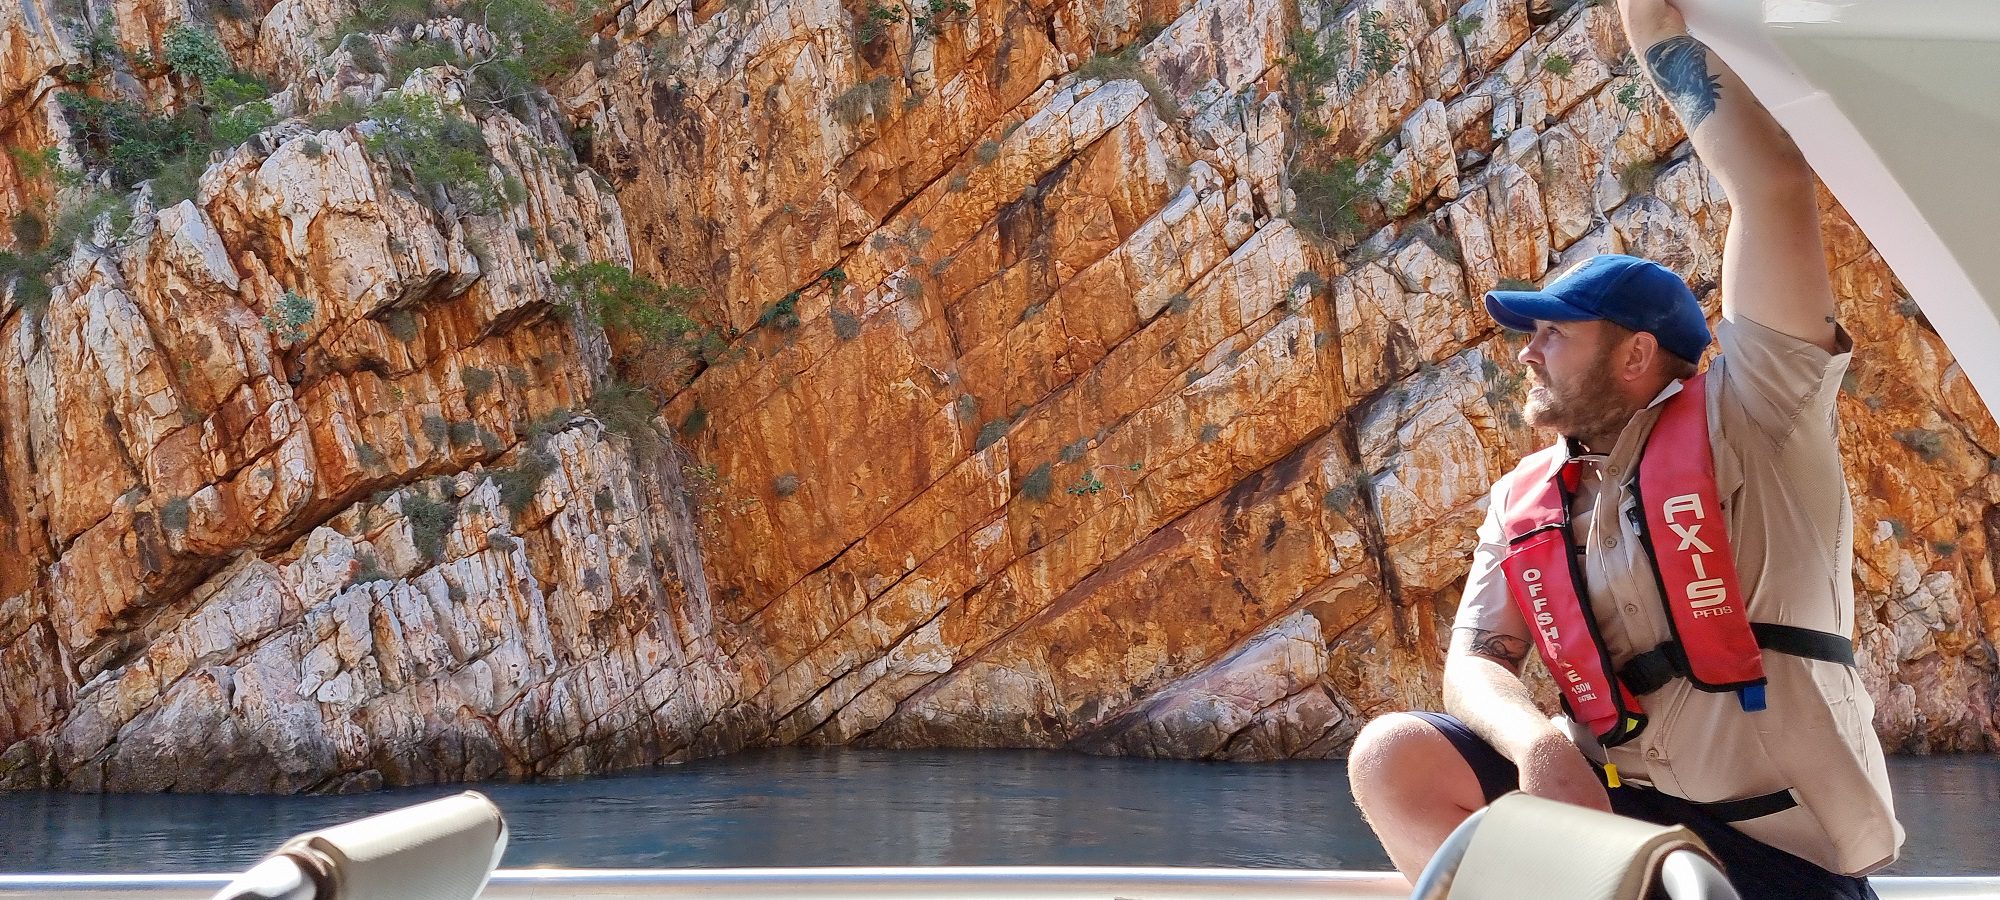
1757	870
1497	774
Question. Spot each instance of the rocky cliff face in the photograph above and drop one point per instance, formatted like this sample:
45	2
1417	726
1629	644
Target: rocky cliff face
1105	376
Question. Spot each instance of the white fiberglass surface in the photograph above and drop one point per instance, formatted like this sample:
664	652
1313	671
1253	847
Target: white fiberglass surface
1930	109
1897	105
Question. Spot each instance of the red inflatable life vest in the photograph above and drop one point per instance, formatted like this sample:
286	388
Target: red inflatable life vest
1714	645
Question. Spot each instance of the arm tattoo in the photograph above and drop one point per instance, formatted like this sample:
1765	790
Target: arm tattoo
1493	645
1680	65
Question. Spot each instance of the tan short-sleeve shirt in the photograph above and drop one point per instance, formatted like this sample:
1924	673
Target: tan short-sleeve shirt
1771	401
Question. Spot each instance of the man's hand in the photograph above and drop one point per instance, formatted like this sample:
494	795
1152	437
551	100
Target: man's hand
1773	263
1555	769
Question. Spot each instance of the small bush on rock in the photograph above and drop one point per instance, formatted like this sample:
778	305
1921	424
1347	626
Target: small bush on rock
195	53
338	114
242	123
1329	199
477	382
126	140
289	320
430	522
627	409
174	514
437	152
655	316
1125	65
387	15
519	482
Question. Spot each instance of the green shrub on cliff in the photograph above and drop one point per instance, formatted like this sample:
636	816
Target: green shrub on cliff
40	246
1927	444
518	483
1381	48
535	42
384	15
367	567
1312	67
927	18
174	514
624	302
242	123
627	409
338	115
1039	483
477	382
1125	65
294	311
408	57
126	140
31	231
1329	199
540	41
439	154
195	53
876	21
235	89
862	101
696	421
430	522
132	143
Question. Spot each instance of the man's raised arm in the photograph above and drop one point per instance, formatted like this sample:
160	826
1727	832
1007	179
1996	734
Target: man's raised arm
1773	264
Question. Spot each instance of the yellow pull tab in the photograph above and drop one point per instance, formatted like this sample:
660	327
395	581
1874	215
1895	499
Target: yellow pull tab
1610	775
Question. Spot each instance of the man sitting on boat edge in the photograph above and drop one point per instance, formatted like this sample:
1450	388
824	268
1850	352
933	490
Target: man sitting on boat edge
1681	558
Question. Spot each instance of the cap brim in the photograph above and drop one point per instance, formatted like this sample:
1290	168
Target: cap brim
1520	310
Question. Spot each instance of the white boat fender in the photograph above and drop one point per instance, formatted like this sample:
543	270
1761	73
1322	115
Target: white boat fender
442	850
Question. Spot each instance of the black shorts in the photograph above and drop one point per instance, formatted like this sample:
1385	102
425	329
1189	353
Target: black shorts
1758	870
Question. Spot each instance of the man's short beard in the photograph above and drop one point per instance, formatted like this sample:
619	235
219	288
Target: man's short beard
1585	409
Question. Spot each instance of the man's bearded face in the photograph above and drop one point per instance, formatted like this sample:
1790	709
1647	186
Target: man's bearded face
1570	380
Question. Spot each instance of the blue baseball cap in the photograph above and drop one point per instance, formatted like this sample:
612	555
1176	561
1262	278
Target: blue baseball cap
1636	293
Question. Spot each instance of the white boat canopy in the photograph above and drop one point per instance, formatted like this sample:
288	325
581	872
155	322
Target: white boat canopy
1896	104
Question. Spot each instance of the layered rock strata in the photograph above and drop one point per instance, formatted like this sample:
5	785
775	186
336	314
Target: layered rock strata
1057	412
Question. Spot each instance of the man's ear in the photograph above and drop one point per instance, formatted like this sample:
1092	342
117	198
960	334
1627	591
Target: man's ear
1641	356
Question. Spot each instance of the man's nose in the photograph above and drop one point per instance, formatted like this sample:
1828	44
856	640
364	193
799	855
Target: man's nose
1531	353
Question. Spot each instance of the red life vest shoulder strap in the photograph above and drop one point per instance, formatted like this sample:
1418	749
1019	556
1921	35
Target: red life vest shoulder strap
1533	500
1689	545
1547	587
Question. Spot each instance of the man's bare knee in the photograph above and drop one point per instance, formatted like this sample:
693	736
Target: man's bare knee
1398	752
1412	786
1402	767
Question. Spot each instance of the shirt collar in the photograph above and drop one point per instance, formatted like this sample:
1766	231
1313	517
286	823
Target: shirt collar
1672	388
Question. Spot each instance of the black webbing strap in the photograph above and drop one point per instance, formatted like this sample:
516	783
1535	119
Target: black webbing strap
1750	807
1804	642
1651	670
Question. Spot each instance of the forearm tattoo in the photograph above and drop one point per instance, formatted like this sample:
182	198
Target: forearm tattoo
1492	645
1680	65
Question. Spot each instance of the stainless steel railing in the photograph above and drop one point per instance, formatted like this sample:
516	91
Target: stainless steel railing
941	883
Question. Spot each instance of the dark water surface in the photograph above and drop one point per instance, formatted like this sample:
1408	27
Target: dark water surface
859	807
